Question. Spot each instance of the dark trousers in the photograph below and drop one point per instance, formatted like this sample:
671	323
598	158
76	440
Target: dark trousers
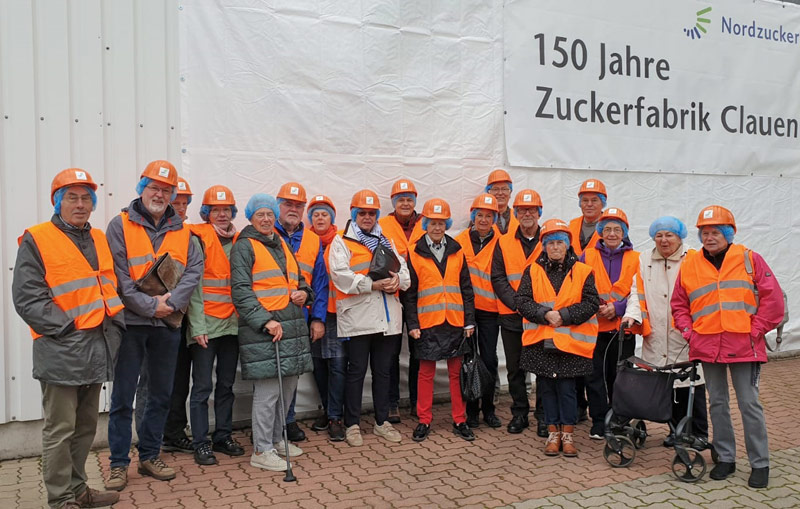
680	407
487	329
330	377
160	347
374	351
600	384
558	400
225	350
394	374
512	345
580	393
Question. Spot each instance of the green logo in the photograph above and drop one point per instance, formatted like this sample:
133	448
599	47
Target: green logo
695	31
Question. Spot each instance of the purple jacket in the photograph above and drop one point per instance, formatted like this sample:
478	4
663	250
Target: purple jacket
612	261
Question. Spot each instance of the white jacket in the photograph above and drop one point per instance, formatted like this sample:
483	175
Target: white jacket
665	344
367	312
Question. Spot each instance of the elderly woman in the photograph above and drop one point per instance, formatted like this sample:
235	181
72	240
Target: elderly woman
558	300
649	314
615	264
369	312
269	294
330	361
440	310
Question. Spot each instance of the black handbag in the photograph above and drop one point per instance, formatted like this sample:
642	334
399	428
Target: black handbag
383	261
476	380
643	394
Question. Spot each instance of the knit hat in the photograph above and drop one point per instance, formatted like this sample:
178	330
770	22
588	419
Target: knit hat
669	224
260	201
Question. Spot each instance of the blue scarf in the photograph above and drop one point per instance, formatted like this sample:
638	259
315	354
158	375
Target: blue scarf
371	239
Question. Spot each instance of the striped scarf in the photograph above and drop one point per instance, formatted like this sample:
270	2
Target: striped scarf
371	239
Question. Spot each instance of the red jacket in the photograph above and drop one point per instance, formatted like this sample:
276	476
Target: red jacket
728	347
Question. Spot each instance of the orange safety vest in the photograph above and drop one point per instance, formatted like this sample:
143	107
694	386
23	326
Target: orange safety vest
392	230
306	254
140	249
271	287
575	228
217	300
85	295
513	222
360	257
724	300
574	339
480	269
515	262
438	297
620	289
644	329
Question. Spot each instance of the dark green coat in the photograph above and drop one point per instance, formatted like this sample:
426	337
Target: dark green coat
256	349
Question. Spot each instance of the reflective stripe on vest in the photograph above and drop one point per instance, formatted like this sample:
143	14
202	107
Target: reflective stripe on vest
331	288
217	300
439	297
575	227
271	287
360	256
480	269
645	328
574	339
139	247
621	287
85	295
391	229
515	262
720	301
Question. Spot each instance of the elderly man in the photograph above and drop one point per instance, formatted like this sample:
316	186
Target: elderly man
65	289
146	230
307	248
499	185
725	299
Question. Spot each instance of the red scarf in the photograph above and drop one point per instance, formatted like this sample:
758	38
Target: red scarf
326	237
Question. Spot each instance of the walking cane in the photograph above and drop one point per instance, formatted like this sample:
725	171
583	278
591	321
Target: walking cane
289	475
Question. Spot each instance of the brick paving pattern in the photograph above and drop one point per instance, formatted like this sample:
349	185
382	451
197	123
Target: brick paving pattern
496	470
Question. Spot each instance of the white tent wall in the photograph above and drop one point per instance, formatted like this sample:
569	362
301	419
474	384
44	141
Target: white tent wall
338	95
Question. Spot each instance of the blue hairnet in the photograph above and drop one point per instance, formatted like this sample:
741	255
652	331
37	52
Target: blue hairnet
324	207
726	229
354	213
555	236
603	199
447	223
475	213
205	210
403	195
669	224
602	224
58	195
516	213
261	201
489	186
145	181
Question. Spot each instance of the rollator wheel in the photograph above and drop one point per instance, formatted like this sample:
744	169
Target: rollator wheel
692	468
623	456
638	434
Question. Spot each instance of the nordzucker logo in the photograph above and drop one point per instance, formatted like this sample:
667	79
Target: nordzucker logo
695	31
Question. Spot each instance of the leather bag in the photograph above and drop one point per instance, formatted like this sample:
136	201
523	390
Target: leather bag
163	277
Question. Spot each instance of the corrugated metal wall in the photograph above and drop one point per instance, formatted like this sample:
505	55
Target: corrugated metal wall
86	83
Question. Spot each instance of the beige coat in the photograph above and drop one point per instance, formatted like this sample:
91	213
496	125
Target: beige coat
665	344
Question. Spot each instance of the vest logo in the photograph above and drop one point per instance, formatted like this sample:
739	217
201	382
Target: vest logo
80	175
221	195
695	31
708	214
370	201
294	190
163	172
182	186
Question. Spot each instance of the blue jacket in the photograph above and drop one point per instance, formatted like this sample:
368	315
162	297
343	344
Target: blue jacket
319	277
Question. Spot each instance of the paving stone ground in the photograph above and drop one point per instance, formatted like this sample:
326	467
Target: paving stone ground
496	470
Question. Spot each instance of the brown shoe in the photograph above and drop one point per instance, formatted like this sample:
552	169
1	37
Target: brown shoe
157	469
567	444
117	479
95	498
553	443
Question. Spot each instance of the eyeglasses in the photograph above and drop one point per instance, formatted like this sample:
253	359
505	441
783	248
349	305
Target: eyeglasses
291	204
163	191
612	229
371	213
496	189
527	210
74	198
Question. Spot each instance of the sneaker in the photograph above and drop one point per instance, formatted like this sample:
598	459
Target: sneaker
387	431
336	430
722	470
294	451
320	423
353	436
294	432
597	432
157	469
203	455
473	422
268	461
394	415
117	479
421	432
491	420
228	446
95	498
463	431
182	444
759	478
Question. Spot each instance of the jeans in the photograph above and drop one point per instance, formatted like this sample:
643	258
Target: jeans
512	344
558	400
374	351
394	374
160	344
488	330
225	350
330	375
600	384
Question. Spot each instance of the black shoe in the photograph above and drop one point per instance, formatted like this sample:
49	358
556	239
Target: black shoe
669	441
229	446
597	432
394	415
583	415
463	431
204	456
320	423
722	471
335	430
491	420
472	421
421	432
182	444
294	432
517	424
541	429
759	478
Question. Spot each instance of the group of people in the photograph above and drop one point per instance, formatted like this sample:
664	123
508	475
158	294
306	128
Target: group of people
283	297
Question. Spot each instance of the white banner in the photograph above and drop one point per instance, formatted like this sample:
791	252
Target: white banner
681	86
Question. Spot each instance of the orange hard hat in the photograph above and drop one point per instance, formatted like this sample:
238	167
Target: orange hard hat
403	186
714	215
161	171
183	187
498	175
527	198
592	186
436	208
320	199
218	195
292	191
614	213
365	199
554	225
484	201
70	177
